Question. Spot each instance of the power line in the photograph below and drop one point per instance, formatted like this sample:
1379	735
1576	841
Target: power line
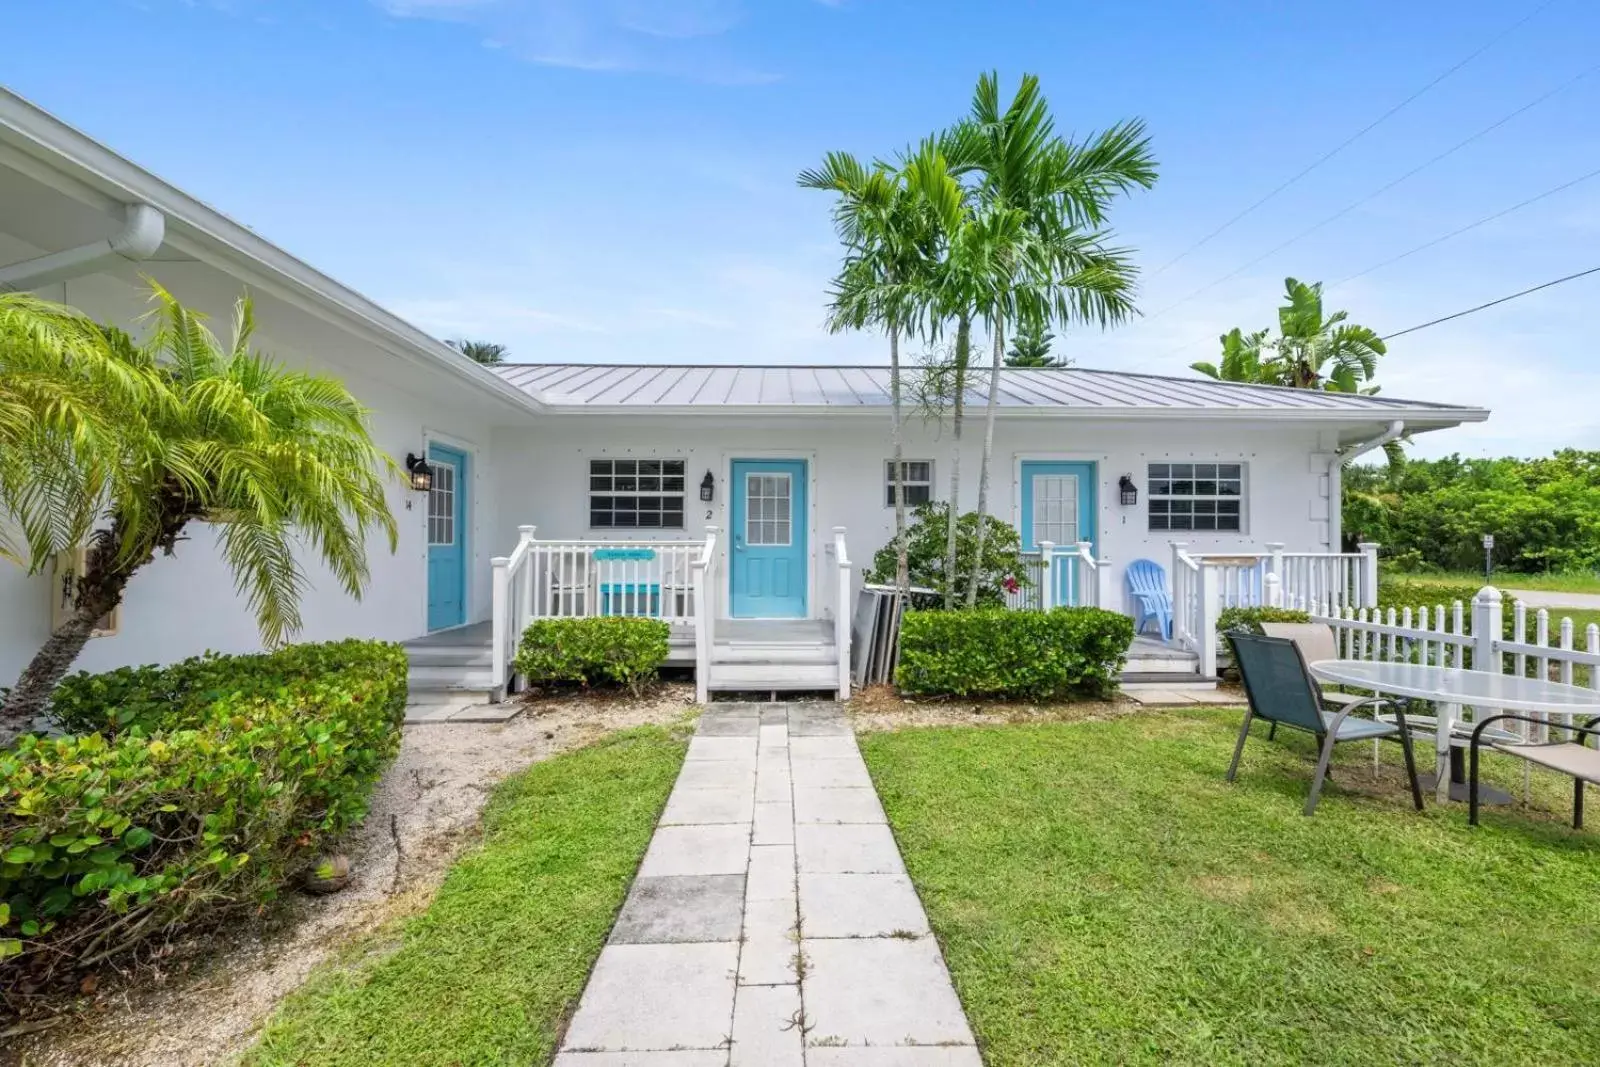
1353	138
1419	168
1469	226
1490	304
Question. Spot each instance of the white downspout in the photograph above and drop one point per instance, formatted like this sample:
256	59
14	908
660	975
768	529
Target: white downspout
138	240
1341	460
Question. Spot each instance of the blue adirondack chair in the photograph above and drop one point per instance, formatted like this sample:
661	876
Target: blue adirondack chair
1147	584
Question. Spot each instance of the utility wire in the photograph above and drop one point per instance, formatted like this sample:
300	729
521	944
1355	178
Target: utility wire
1490	304
1470	226
1353	138
1419	168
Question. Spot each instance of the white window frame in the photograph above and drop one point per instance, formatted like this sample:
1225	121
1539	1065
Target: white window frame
664	495
888	481
1153	480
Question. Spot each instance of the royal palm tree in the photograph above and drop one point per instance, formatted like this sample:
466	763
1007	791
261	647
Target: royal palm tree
485	352
1036	226
1311	351
881	284
268	456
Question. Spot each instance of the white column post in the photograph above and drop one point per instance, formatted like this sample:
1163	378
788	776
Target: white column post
1273	578
1272	590
526	533
1209	608
1047	578
501	601
1102	583
1369	575
842	613
1087	574
1177	588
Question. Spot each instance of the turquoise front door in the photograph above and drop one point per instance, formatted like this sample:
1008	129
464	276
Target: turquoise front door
1058	505
767	557
447	537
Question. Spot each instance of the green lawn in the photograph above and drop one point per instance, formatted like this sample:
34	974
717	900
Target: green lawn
1570	582
1103	896
489	973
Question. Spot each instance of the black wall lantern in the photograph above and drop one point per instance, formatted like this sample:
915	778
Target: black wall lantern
708	487
1130	493
421	473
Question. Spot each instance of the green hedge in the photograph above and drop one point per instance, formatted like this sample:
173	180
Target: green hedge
208	796
1252	618
999	653
622	649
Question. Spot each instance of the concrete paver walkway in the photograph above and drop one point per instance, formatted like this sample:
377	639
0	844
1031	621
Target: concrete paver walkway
772	922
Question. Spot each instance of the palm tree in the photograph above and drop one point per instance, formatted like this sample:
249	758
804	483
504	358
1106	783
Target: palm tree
881	284
485	352
1036	226
1311	352
268	456
1031	348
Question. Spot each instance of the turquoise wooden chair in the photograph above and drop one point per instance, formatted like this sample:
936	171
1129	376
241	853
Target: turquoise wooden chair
1147	584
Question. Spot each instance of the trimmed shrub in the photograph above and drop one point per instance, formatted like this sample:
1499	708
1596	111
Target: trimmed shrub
622	649
999	653
206	797
925	546
1400	594
1251	618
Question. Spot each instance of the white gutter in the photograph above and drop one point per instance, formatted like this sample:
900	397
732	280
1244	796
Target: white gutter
1336	466
138	240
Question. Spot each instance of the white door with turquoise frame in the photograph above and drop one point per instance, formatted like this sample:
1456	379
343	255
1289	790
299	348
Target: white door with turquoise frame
1059	506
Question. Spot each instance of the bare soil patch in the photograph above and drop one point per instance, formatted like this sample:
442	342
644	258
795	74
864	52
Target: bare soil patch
879	707
203	1002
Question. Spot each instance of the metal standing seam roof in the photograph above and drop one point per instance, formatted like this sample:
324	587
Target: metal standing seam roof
572	385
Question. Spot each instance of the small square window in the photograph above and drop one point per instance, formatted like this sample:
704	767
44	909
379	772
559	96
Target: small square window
916	475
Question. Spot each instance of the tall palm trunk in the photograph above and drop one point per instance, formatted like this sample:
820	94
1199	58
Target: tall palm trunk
953	515
902	564
988	451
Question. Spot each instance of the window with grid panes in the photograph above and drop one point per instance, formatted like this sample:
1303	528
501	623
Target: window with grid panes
916	475
636	494
1200	497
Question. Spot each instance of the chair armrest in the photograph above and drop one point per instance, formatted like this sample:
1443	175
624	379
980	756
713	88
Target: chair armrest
1372	702
1588	729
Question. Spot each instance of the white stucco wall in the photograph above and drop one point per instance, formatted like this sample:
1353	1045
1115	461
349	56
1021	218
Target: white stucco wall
184	605
543	478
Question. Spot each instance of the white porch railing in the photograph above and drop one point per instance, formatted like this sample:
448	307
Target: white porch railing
1205	584
703	568
842	612
1086	581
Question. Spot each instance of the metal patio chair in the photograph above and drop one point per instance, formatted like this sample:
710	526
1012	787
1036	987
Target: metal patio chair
1569	757
1147	585
1280	689
1315	641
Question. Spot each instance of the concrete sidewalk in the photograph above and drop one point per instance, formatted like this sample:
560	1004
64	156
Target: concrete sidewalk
772	922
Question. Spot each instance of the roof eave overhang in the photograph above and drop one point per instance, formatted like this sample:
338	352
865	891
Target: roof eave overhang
45	148
1419	420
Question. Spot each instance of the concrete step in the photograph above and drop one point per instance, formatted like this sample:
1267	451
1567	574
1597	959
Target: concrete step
1134	683
773	676
449	656
763	652
1141	664
449	679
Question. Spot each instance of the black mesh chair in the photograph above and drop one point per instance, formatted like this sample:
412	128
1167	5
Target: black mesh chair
1282	691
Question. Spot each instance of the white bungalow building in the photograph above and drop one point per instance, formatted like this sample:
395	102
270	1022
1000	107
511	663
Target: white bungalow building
720	498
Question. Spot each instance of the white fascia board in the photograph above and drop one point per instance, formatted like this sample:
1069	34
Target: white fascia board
97	176
1418	419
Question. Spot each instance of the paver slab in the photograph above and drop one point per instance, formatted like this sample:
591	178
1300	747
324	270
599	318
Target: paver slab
771	946
766	1027
729	726
771	873
774	784
774	714
723	849
691	907
774	824
860	905
880	991
830	774
846	848
837	805
696	807
775	735
657	997
717	774
733	748
824	748
921	1056
703	1058
811	721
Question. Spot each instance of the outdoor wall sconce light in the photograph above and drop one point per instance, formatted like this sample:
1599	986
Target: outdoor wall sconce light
708	487
1130	493
421	473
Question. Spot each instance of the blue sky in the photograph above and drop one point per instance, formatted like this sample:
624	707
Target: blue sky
613	180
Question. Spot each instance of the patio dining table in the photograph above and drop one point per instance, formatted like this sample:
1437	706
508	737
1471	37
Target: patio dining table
1451	689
